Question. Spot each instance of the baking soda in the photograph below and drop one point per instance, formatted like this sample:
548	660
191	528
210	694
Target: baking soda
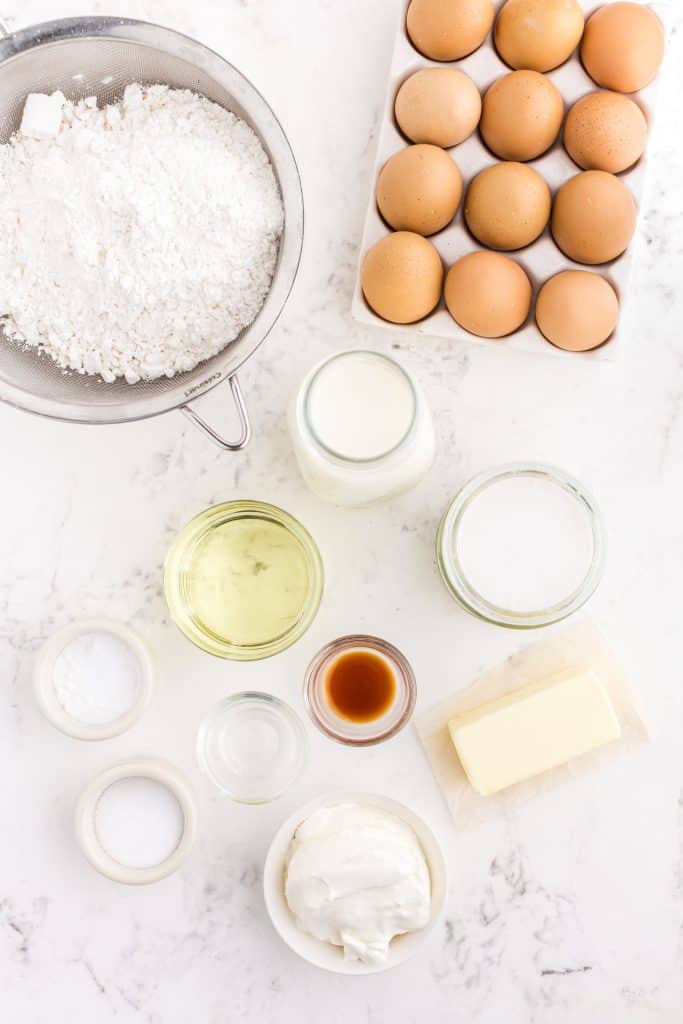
97	678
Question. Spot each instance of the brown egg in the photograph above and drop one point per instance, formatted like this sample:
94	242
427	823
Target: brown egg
488	294
521	115
441	106
401	277
623	46
577	310
448	29
594	217
419	189
507	206
538	34
605	131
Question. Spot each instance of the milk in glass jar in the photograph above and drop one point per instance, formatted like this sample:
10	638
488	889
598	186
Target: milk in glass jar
361	429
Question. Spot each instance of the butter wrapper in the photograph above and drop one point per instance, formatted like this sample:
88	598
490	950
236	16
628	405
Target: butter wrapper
578	646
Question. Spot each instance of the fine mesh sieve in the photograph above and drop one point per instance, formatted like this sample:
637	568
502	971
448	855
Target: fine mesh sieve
100	57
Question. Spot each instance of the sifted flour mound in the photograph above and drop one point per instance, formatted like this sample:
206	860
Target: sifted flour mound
141	238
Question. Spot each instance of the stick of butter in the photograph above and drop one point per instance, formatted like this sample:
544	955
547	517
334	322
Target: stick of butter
532	729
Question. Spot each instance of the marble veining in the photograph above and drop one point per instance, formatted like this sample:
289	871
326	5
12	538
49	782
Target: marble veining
566	911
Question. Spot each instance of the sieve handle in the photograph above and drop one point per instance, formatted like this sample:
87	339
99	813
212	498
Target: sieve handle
230	446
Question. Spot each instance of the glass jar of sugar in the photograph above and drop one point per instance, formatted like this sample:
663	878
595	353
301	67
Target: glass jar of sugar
521	545
361	429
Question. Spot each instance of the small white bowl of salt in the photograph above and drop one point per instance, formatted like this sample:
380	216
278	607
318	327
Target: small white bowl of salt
93	679
137	822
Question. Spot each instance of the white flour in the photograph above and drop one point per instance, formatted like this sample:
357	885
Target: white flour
141	239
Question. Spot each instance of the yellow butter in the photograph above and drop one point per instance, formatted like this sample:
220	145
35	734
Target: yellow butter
532	729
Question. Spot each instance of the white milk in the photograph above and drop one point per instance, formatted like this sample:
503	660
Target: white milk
360	405
524	543
361	429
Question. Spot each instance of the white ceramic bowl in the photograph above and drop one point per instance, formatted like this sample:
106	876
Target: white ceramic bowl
43	679
86	834
322	954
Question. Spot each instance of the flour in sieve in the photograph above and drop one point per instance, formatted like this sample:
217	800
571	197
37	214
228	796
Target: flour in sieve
141	239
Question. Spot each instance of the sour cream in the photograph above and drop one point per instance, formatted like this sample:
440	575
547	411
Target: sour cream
356	876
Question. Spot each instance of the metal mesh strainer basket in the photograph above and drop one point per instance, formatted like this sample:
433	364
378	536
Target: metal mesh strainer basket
100	57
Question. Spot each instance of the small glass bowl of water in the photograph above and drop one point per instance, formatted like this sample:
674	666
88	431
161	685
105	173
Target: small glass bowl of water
252	746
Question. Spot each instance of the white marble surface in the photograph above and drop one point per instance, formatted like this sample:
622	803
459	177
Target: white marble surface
569	911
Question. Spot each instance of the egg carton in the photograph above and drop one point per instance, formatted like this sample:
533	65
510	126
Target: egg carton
542	259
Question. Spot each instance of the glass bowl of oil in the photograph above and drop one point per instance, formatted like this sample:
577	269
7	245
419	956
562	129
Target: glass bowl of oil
243	580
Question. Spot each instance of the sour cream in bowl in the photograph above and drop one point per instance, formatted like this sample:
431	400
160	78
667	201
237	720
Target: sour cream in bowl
354	882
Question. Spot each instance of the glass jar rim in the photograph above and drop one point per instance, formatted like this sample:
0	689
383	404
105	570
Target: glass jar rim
308	420
196	530
476	603
330	724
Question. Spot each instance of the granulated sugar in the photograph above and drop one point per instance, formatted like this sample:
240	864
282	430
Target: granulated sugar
141	238
525	543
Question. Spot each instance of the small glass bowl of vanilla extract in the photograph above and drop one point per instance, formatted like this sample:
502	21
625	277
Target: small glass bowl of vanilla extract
360	690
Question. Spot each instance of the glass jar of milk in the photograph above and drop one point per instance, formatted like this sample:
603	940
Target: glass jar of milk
361	429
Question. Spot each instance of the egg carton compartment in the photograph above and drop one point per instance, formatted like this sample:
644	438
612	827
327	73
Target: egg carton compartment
542	259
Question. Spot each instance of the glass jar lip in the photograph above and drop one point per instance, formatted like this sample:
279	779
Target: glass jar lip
224	707
185	542
457	582
308	420
349	733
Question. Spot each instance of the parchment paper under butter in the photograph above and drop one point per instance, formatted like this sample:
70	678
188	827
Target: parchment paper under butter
580	645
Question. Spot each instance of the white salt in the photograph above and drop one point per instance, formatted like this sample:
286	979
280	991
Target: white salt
139	822
525	544
97	678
